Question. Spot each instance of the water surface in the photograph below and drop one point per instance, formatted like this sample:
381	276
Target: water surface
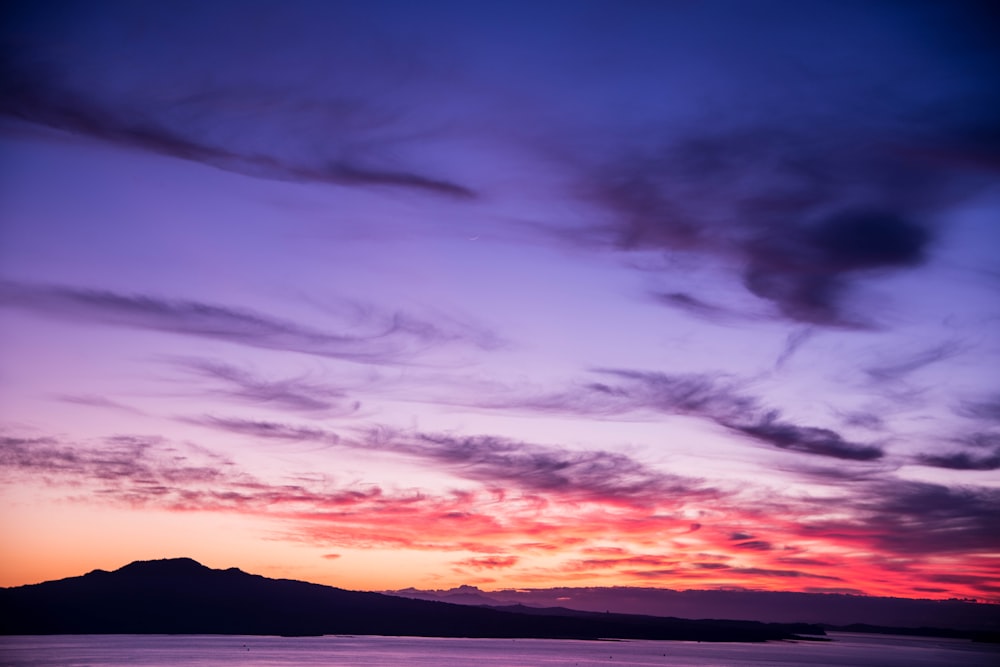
343	651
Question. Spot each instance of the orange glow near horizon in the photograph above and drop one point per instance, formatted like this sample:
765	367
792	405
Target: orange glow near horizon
370	540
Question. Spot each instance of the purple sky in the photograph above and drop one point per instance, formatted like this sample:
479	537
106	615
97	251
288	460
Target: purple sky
387	294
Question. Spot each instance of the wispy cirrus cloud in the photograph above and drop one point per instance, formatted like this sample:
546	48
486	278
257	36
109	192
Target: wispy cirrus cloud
587	475
899	368
714	397
985	409
394	338
591	474
297	394
136	467
97	401
488	562
265	430
345	137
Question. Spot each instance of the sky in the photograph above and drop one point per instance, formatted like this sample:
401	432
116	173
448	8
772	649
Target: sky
689	295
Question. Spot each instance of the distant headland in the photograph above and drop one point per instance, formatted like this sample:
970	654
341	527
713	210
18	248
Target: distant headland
181	596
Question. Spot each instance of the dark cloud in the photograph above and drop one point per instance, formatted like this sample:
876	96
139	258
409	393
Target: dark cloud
897	369
598	475
977	459
916	518
724	402
842	471
806	183
806	272
186	116
713	397
767	572
864	419
700	308
807	439
267	430
388	339
132	466
149	471
754	545
595	475
295	394
987	409
802	218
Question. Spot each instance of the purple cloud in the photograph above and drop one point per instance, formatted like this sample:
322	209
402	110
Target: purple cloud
295	394
716	398
31	90
96	401
913	518
985	454
393	339
806	439
593	474
266	430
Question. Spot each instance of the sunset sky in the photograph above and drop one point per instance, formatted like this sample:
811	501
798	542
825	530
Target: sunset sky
512	294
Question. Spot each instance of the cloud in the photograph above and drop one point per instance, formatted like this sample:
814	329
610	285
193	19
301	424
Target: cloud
799	218
701	308
96	401
754	545
488	562
793	342
717	398
593	474
295	394
882	520
783	182
987	409
150	471
968	460
391	339
898	369
266	430
723	402
807	439
766	572
915	518
191	121
136	466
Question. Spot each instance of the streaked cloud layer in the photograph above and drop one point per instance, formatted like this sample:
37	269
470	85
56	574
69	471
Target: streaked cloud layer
391	294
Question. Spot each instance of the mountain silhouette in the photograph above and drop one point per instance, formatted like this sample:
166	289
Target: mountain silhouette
181	596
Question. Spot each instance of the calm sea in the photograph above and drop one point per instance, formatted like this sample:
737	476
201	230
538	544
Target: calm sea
209	651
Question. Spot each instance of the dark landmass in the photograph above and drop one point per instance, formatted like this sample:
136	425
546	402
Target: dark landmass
940	618
988	636
181	596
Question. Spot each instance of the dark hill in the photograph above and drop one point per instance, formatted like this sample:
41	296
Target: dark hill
181	596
